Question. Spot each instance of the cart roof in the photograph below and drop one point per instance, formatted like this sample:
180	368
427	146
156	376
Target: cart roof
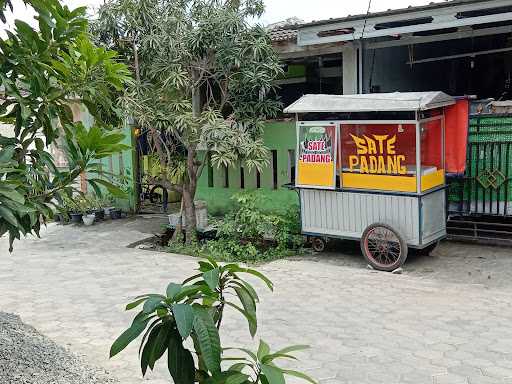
371	102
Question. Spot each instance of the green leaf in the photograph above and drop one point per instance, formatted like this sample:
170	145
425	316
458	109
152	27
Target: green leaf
273	375
190	291
12	194
266	280
269	358
9	217
6	154
172	290
114	190
208	339
211	278
135	304
161	343
300	375
237	367
148	348
128	336
293	348
249	305
263	350
251	319
184	316
151	304
236	378
180	361
248	351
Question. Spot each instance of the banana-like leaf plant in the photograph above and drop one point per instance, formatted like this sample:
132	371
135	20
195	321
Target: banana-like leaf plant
185	323
43	72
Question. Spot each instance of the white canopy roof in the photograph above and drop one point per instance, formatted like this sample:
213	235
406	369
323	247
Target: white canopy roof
372	102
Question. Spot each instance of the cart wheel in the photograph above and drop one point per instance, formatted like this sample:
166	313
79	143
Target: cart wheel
318	244
383	247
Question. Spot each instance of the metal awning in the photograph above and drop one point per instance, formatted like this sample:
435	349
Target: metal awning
373	102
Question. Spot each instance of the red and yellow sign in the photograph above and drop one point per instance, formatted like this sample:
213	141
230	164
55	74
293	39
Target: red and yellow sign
316	160
377	155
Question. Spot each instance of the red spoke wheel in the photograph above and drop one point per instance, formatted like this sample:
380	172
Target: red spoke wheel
318	244
383	247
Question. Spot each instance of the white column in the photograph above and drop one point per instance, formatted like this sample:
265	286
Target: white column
350	69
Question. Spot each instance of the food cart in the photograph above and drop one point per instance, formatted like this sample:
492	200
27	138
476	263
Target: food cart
371	167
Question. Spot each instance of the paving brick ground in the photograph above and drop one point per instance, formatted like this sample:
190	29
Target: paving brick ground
446	320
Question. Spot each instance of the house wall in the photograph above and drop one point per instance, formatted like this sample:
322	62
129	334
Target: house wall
119	164
278	137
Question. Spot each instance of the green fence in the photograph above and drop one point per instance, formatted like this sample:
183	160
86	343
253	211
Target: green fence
485	188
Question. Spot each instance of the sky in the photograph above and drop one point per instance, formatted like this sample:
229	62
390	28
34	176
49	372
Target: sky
276	10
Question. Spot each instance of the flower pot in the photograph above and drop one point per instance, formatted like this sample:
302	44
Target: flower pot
57	218
115	214
99	214
174	219
107	210
88	220
76	217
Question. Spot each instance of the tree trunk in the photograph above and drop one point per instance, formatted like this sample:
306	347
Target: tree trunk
190	215
189	193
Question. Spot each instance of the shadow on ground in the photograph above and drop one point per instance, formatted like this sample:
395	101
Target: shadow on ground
451	261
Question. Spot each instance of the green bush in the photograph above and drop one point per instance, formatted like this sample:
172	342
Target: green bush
185	322
250	234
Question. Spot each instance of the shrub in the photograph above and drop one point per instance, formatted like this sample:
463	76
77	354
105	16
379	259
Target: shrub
193	311
250	234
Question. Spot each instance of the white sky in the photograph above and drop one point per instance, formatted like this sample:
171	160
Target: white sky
276	10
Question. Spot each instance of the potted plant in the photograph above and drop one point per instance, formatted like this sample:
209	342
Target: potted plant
107	203
115	213
88	219
74	210
86	207
97	208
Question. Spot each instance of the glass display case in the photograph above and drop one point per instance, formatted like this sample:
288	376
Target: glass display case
384	156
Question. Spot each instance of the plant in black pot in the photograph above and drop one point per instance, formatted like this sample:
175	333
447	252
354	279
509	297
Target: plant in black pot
73	208
97	207
115	213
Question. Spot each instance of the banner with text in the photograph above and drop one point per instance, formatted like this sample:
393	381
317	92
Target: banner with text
317	156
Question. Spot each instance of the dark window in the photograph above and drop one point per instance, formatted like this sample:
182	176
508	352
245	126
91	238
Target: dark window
335	32
404	23
210	172
226	177
291	166
484	12
242	178
258	179
274	169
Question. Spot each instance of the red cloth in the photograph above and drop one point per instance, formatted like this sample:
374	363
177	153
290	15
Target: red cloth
456	136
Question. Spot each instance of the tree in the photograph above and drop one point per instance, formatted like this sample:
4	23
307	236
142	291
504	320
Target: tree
41	73
186	321
204	80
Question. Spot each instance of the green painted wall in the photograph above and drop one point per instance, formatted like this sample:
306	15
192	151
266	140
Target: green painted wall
279	137
120	164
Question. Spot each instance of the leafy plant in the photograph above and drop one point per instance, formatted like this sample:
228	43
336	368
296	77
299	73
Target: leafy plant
193	311
261	366
43	73
249	234
204	83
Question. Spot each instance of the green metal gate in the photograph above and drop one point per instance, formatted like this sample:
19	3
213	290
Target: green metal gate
480	201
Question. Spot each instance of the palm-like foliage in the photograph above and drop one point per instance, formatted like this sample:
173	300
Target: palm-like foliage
43	72
204	79
191	313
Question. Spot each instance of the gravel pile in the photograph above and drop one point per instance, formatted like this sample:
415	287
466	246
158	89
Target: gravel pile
26	357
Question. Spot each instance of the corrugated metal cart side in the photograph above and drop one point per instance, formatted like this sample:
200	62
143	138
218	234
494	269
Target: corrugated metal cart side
420	219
